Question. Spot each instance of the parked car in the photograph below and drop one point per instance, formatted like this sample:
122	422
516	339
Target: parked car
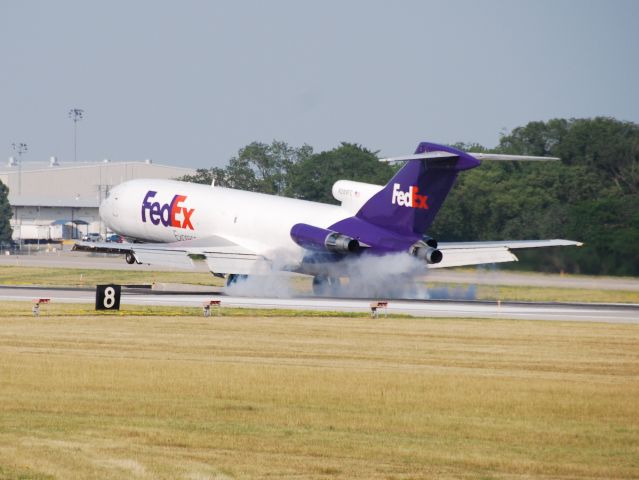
115	238
92	237
9	246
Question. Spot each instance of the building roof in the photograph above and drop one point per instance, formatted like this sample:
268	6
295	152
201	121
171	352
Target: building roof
36	166
47	201
81	184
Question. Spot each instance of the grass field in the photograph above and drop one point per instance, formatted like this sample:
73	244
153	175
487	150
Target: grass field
20	275
166	394
553	294
77	277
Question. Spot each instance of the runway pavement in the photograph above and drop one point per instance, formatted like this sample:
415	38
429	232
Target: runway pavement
419	308
476	276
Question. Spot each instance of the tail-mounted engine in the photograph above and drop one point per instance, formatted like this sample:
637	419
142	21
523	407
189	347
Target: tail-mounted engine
321	239
426	249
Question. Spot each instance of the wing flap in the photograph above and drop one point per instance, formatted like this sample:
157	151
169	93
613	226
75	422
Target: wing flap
102	247
165	257
238	263
231	257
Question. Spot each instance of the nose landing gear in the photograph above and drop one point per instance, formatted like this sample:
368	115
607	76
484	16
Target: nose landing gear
129	257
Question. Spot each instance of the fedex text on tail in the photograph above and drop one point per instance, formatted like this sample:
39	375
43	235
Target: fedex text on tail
411	198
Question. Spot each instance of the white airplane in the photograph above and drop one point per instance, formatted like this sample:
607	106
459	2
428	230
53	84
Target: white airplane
243	233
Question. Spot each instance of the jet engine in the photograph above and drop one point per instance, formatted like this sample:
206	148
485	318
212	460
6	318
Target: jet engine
315	238
427	250
430	241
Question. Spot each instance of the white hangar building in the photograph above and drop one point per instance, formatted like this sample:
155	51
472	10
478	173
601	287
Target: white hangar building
53	201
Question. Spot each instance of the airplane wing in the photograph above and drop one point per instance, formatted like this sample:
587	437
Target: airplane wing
224	256
457	254
221	254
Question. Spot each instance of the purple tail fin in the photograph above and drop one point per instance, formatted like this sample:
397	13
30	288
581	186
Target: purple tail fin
410	201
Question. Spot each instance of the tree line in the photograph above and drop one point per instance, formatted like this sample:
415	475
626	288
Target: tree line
591	195
5	215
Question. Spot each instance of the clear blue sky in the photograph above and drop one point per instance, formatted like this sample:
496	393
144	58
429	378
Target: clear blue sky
190	82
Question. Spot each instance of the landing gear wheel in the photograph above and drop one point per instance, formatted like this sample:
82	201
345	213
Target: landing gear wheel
130	258
233	278
324	285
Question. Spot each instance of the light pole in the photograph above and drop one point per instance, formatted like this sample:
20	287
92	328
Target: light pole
76	115
20	148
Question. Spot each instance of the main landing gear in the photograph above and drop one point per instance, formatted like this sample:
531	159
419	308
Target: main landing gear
324	285
233	278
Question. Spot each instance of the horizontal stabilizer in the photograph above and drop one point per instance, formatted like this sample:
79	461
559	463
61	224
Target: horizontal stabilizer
441	155
517	158
420	156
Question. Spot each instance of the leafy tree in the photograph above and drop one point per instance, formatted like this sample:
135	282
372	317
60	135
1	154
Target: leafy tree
535	138
591	195
611	233
207	176
470	147
258	167
313	177
604	144
5	214
264	168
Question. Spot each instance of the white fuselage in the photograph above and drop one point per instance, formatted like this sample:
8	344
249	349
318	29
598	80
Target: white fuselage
257	221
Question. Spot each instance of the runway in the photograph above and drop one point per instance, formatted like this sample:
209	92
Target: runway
615	313
478	276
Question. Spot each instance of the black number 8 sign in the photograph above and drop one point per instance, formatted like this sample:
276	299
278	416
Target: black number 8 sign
107	297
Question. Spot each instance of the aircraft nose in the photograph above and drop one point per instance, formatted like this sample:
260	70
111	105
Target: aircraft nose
108	207
104	207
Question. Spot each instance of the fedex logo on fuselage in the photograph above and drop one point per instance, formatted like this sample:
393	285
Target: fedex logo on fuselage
169	214
411	199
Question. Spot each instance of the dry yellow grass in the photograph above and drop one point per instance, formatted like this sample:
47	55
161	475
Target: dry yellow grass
552	294
84	277
98	396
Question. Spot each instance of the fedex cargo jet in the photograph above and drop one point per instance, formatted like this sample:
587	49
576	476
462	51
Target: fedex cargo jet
243	233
